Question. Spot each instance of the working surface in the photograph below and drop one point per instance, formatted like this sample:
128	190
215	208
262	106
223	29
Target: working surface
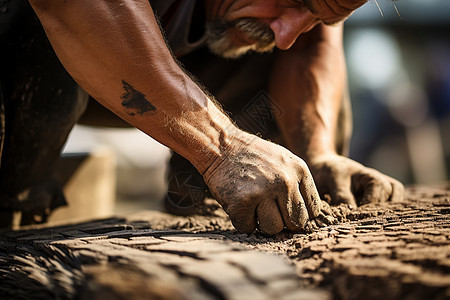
398	250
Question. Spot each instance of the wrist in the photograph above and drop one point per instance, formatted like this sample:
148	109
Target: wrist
216	138
315	147
312	156
236	141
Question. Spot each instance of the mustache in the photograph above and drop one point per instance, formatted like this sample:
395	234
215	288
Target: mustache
258	31
219	42
254	29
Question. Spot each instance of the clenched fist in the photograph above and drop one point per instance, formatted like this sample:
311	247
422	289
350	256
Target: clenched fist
347	181
263	185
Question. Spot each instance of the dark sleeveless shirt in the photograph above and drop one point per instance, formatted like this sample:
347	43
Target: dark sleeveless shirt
183	22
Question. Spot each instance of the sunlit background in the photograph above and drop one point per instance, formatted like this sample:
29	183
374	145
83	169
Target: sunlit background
399	74
399	71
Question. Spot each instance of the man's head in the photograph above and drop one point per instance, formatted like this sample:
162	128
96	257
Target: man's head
237	26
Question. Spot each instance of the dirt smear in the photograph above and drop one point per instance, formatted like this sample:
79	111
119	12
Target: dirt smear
391	250
395	250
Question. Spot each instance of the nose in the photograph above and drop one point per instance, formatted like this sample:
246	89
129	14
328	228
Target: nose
289	25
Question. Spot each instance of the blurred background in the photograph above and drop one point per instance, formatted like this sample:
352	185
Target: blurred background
399	78
399	74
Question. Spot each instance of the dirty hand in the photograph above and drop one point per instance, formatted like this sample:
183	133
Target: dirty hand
263	185
347	181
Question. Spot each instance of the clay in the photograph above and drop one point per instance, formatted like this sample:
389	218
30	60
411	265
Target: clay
391	251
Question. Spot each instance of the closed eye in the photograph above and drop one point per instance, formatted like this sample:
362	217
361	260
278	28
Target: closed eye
290	3
306	3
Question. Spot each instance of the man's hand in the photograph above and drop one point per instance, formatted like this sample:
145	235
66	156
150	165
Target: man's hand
347	181
263	185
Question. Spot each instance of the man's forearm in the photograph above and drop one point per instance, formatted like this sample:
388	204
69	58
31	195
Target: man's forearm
308	82
115	51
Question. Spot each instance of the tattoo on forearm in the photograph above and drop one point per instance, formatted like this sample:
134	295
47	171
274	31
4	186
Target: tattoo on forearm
134	101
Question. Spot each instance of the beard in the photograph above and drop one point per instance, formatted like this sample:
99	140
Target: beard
220	43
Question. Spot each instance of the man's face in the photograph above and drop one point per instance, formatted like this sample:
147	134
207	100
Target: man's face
235	27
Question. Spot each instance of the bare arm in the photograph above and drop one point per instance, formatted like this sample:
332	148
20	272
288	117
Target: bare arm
115	51
309	82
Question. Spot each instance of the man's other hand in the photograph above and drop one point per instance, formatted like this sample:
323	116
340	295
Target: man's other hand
347	181
263	185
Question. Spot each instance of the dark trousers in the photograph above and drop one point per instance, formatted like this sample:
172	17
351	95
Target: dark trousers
39	103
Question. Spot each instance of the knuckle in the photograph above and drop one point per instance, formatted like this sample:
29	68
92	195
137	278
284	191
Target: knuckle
249	197
302	166
282	184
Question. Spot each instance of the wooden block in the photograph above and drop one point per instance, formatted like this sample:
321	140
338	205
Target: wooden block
89	186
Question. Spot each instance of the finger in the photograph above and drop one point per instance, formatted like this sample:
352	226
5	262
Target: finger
341	192
376	191
398	191
269	217
243	218
293	210
326	208
310	194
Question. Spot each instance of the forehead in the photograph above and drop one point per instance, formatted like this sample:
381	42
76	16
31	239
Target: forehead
332	11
